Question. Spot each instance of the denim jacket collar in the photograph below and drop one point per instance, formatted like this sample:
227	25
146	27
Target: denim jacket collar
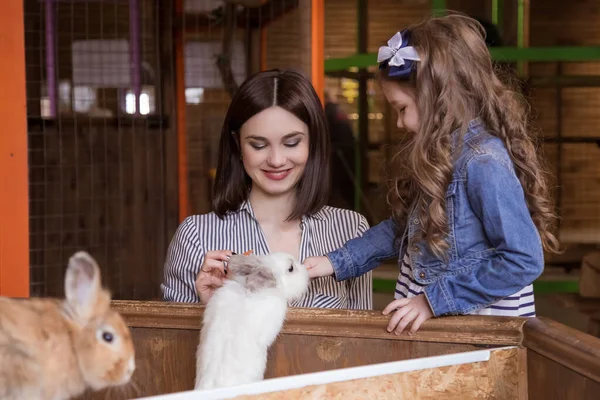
475	127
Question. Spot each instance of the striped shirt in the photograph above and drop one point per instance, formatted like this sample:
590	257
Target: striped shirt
520	304
239	231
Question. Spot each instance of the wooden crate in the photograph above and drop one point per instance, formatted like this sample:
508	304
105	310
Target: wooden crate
528	359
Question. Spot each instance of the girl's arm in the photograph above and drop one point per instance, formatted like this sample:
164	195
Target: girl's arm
182	264
496	197
360	255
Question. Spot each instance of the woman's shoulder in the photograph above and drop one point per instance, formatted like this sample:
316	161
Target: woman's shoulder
202	222
343	217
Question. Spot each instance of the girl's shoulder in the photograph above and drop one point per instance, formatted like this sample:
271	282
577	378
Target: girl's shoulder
480	150
481	141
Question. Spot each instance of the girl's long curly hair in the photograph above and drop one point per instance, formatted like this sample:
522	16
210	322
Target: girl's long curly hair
456	82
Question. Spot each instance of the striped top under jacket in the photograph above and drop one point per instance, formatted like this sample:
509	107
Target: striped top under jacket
239	231
520	304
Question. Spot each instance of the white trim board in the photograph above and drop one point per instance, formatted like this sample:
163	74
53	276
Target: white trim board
336	375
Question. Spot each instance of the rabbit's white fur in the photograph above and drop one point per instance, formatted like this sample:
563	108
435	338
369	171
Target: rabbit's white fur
244	316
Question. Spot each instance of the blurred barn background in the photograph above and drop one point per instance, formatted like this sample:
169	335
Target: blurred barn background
125	101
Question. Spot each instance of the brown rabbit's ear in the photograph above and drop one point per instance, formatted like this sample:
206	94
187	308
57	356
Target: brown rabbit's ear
82	284
257	276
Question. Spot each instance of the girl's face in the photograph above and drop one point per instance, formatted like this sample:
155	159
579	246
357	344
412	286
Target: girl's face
274	147
403	100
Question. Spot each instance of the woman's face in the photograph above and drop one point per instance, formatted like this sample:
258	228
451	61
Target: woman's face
403	100
274	147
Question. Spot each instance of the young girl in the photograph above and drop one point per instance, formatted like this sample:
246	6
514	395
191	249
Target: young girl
472	212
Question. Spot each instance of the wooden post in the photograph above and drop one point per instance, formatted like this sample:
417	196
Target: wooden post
263	48
14	201
317	22
362	142
182	159
168	107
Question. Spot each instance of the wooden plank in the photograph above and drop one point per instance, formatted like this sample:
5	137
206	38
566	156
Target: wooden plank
495	378
486	330
566	346
479	374
523	377
550	380
14	201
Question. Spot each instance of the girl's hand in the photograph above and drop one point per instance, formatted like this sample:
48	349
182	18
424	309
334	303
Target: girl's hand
415	309
212	274
318	267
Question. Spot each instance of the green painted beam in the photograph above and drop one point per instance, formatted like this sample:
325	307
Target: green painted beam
383	285
565	53
540	286
438	7
520	34
356	61
555	287
498	14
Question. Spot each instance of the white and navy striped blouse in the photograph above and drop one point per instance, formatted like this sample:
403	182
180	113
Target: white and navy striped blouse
520	304
239	231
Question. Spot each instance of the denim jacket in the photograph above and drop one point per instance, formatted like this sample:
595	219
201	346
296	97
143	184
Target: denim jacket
494	247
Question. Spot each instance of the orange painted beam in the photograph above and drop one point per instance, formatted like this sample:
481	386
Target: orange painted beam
14	200
318	47
182	159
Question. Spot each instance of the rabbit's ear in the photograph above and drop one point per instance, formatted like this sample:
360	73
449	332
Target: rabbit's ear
260	278
82	284
257	276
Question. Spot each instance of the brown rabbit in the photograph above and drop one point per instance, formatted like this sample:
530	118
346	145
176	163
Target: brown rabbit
56	349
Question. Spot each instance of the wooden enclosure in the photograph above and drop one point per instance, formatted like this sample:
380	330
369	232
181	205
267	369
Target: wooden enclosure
547	361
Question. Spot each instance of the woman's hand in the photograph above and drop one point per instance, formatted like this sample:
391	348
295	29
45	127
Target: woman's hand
318	267
212	274
415	309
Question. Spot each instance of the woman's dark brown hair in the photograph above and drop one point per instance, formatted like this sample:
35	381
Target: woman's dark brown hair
456	82
293	92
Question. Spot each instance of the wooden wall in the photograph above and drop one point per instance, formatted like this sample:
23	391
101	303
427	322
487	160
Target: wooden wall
97	188
575	112
571	112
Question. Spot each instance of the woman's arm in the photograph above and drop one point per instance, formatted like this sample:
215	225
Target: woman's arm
182	264
497	199
360	255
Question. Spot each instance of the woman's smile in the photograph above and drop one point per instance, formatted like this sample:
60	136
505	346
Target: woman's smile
277	175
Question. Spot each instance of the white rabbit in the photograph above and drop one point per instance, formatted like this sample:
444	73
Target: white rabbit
244	316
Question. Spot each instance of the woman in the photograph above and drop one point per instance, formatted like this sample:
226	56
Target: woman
270	192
